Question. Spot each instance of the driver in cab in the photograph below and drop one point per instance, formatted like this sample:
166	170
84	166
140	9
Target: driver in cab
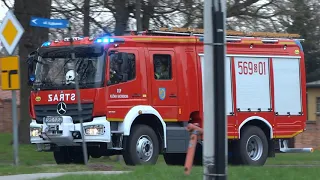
161	69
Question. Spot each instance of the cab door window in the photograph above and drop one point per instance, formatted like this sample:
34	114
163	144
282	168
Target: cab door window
162	67
122	68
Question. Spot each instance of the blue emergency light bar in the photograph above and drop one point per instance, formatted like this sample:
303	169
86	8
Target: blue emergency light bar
99	40
106	40
46	44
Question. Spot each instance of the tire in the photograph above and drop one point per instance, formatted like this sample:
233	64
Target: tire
62	156
142	138
175	159
259	147
95	156
77	156
233	158
68	155
198	156
179	159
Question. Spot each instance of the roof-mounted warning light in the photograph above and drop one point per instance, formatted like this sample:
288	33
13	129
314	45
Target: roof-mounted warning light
108	39
229	33
67	39
46	44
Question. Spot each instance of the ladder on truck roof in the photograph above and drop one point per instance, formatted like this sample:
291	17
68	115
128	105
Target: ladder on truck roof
231	35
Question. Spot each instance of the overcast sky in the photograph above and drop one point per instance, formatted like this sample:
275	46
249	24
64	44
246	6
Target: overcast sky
3	10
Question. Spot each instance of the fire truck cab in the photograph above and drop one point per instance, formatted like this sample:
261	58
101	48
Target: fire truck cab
139	92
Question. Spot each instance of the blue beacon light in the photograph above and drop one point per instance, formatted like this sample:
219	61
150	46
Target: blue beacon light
105	40
32	78
46	44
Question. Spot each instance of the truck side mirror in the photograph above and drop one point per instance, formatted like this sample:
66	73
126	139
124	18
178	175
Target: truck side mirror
30	61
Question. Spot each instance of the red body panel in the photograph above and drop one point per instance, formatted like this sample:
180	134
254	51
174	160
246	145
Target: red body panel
186	83
98	96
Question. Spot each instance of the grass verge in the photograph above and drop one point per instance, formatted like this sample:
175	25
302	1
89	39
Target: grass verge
162	171
32	161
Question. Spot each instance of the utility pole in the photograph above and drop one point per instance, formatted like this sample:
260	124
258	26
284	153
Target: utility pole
215	132
221	148
208	98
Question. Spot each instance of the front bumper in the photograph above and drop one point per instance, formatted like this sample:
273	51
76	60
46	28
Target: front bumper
66	137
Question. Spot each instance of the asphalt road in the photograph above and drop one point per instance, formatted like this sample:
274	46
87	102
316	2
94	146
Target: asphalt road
52	175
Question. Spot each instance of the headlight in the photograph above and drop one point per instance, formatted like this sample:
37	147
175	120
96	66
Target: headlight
94	130
35	131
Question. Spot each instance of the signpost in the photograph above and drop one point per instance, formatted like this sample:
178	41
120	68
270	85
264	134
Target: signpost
10	33
64	23
49	23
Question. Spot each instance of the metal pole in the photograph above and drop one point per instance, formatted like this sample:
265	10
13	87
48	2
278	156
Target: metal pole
218	21
15	128
14	125
208	98
84	145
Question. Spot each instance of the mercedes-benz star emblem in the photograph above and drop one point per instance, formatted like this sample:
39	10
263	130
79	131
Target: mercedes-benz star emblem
61	108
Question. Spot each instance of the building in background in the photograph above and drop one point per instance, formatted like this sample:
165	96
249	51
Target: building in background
313	98
311	137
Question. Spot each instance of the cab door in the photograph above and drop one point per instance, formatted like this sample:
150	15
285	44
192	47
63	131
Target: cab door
164	87
122	96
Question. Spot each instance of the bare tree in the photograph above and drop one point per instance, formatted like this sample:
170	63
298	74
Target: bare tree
86	18
31	39
138	15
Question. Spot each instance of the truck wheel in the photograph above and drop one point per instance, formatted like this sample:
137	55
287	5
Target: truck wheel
253	146
179	159
142	146
176	159
77	156
62	156
233	154
96	156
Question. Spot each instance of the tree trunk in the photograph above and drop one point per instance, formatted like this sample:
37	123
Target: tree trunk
138	15
121	16
86	18
148	11
32	38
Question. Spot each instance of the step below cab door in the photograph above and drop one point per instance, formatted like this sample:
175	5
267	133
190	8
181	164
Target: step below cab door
164	86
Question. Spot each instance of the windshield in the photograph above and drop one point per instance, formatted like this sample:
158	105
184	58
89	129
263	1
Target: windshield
55	67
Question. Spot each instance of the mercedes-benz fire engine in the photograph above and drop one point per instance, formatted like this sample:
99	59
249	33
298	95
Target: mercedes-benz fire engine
139	92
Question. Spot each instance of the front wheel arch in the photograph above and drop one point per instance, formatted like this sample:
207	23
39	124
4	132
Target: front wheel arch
259	122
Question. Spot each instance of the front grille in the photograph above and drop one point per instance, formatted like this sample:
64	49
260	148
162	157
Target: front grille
72	110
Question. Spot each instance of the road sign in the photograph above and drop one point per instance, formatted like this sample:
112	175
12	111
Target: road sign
49	23
10	32
10	73
10	81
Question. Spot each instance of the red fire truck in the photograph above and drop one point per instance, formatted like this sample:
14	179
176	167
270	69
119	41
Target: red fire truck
140	91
